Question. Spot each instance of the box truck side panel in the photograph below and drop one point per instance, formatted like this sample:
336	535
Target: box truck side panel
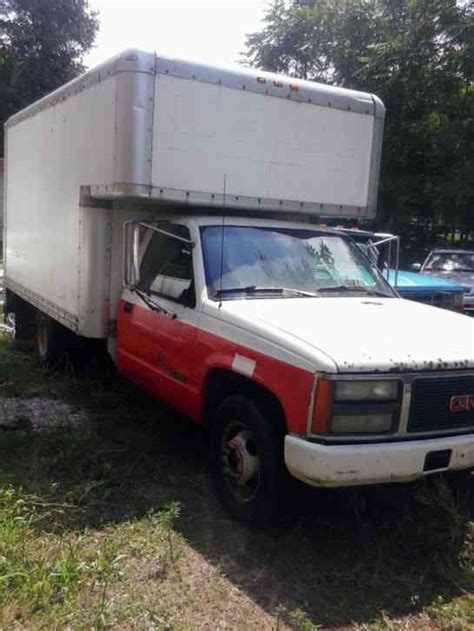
50	155
95	226
266	148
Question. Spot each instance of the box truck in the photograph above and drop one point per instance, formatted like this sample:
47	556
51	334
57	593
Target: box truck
172	210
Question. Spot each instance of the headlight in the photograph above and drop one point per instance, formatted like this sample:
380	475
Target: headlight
361	423
386	390
356	406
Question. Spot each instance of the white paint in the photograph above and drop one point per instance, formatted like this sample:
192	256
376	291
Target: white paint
361	335
244	365
265	147
348	465
53	247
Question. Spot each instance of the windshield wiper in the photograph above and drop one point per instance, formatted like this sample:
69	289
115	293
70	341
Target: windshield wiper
356	288
253	289
154	306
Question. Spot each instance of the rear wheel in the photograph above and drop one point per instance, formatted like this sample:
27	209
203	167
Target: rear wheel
247	461
50	339
25	319
59	347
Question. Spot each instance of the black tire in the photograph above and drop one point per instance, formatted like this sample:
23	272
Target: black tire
25	320
50	339
247	461
60	348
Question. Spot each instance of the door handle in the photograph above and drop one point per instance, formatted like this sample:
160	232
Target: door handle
127	307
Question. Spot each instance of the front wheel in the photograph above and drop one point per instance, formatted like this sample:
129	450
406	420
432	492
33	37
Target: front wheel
247	461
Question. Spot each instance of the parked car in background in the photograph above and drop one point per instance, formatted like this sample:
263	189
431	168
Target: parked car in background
436	291
454	265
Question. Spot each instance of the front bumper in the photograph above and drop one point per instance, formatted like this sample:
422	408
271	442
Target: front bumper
357	464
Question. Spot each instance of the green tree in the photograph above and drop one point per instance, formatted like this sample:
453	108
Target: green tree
418	56
42	43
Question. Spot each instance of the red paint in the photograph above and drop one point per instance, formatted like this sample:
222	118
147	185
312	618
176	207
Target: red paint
153	350
172	359
462	403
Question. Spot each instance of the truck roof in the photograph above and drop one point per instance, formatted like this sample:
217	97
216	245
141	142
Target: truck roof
249	79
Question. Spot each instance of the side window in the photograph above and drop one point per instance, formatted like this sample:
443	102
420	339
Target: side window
166	268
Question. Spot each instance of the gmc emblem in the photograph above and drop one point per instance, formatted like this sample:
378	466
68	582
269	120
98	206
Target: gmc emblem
462	403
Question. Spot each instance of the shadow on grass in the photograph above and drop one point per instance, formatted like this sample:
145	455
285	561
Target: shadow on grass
344	556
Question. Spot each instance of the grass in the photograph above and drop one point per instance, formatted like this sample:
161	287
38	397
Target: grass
114	525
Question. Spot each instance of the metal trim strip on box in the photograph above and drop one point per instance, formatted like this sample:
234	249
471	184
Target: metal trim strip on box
44	305
279	86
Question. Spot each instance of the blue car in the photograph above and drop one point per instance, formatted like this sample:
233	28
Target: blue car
431	290
438	292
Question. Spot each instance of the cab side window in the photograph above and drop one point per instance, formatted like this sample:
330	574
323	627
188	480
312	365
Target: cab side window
166	268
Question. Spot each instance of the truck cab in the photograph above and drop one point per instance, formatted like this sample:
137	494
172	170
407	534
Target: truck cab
285	340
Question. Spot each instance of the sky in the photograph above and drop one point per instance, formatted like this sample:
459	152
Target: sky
204	30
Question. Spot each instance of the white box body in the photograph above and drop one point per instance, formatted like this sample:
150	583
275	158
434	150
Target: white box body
146	129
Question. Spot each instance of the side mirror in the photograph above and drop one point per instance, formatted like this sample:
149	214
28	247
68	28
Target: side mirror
416	267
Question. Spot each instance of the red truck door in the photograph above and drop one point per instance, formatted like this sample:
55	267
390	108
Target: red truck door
156	327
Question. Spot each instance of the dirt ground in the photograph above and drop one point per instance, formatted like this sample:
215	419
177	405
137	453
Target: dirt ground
108	520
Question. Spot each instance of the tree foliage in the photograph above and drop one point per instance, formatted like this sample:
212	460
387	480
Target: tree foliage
418	56
42	43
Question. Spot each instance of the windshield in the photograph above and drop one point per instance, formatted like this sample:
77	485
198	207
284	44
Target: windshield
451	262
286	262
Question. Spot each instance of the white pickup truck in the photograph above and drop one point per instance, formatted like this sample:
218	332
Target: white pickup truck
170	210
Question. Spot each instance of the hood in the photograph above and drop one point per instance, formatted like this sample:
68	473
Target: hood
363	334
465	279
414	281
